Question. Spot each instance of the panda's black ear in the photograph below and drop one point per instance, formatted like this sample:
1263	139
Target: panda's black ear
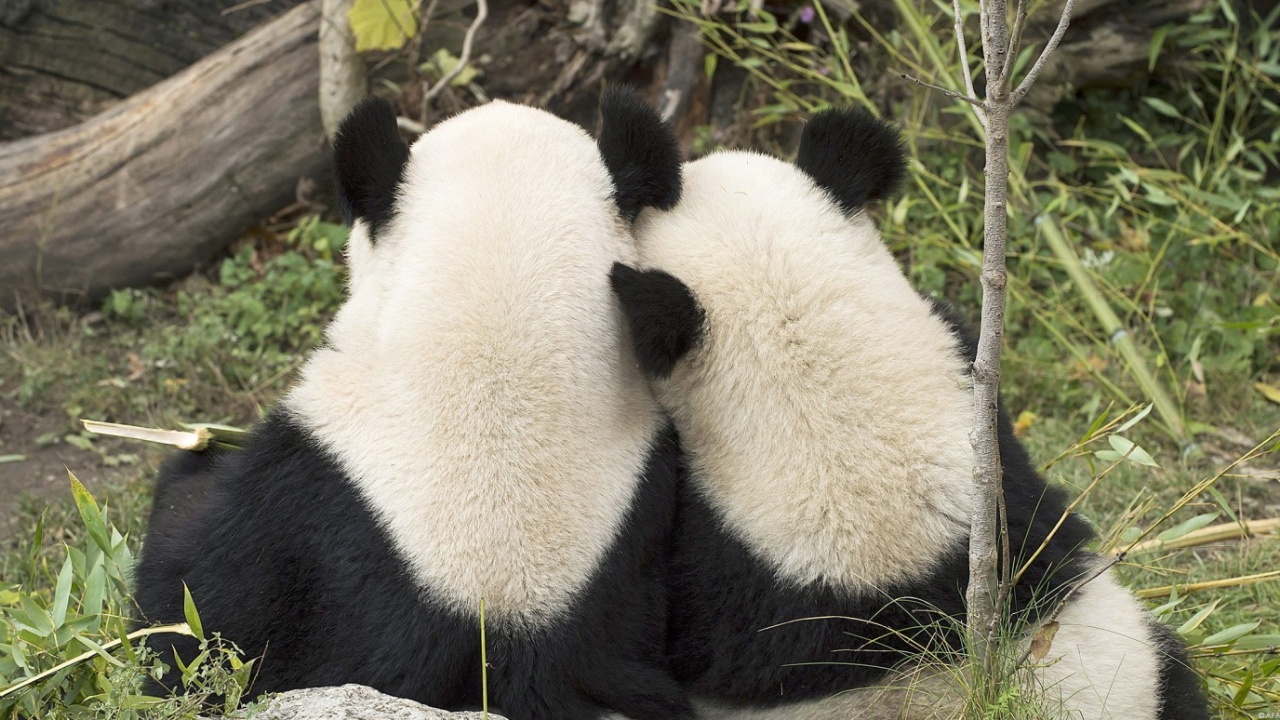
852	155
640	151
663	315
370	158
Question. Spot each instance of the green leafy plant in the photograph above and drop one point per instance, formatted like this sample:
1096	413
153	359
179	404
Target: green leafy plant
1168	225
68	648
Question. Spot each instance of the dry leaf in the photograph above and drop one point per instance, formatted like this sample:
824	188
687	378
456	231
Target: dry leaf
1235	437
137	368
1270	392
1025	420
1042	641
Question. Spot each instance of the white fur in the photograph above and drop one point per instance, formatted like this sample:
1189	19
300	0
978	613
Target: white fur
359	253
1101	665
476	385
841	454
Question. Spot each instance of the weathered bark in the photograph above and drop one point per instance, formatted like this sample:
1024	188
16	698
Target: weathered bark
343	77
63	61
988	530
161	181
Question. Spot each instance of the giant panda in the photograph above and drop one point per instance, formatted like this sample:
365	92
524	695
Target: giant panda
824	408
475	428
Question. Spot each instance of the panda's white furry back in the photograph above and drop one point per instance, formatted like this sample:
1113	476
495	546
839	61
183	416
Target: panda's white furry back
824	409
475	428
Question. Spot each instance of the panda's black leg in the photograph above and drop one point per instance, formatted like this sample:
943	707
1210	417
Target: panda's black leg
1181	696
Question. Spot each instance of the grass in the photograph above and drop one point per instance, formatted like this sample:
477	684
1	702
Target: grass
215	347
1168	222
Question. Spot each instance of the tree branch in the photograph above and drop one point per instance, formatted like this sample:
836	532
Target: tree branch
977	104
1015	40
482	12
1030	79
964	54
343	78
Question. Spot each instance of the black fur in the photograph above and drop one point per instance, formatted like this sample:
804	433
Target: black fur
370	159
1181	692
284	558
854	156
662	313
640	151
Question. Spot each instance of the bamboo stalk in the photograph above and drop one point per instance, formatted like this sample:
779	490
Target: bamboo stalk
1120	337
1206	535
179	628
1167	590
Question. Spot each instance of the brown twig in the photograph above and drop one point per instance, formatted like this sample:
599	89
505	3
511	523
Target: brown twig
949	93
482	12
969	95
1015	39
1034	72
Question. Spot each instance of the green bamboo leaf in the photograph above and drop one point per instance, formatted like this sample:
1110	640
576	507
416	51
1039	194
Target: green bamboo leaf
1153	49
32	617
99	650
1132	452
61	594
189	610
1136	418
1258	642
89	513
189	672
95	592
1198	618
127	644
1187	526
1245	686
19	655
1162	107
1235	632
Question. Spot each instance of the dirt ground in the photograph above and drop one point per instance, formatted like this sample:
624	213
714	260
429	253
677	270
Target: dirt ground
42	474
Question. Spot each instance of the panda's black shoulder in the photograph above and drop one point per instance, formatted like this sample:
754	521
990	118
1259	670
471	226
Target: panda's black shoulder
957	323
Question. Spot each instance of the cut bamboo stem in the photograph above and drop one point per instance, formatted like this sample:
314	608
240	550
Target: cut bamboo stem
1116	330
179	628
1206	535
1167	590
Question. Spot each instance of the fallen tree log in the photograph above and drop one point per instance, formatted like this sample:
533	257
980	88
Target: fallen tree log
64	61
160	182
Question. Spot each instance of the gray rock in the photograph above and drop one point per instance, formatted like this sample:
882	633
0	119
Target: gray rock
353	702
